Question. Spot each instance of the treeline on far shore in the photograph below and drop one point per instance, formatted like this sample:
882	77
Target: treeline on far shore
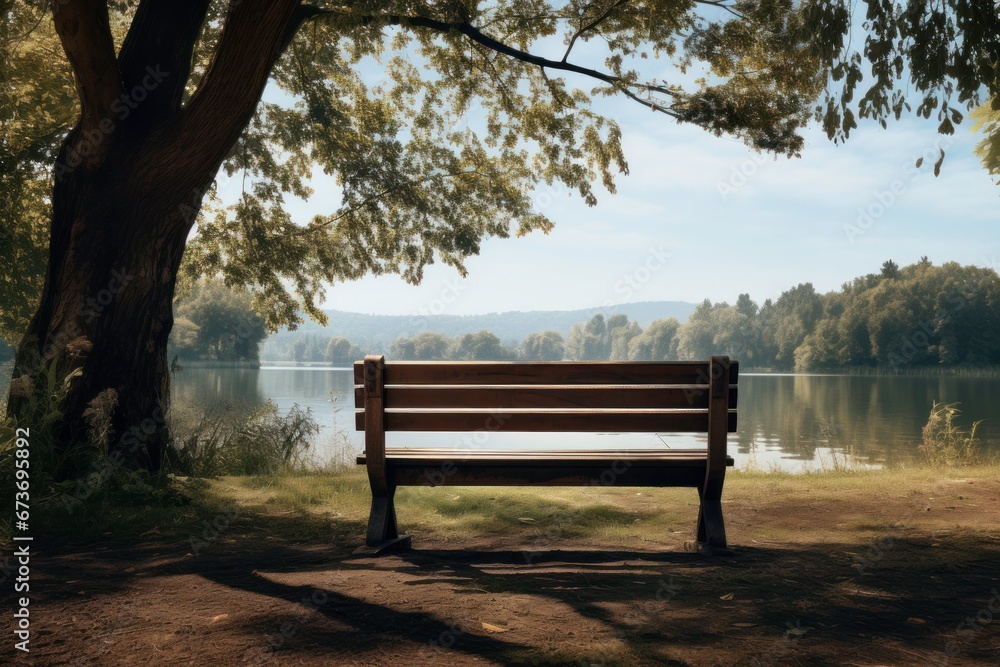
899	319
896	320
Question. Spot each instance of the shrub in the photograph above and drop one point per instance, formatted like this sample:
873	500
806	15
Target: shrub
944	442
42	393
228	439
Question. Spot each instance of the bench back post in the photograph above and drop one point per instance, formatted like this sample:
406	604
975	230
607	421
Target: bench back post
711	527
375	423
718	412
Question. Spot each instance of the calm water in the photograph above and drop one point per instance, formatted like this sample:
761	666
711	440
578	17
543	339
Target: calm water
791	422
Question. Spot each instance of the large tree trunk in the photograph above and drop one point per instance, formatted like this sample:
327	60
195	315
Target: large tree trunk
128	185
118	234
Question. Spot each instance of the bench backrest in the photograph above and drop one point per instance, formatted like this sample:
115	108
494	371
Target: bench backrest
662	397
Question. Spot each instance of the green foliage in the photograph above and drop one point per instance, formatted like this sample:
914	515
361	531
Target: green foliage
481	346
375	333
226	439
944	442
987	121
916	316
545	346
658	342
37	107
923	315
44	393
216	323
342	352
87	473
445	149
600	339
588	341
23	245
425	346
316	347
695	340
621	338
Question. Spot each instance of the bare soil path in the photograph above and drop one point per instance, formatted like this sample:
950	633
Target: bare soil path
912	579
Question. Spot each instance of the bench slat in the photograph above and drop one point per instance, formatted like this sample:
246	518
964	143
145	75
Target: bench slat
560	456
502	471
580	421
546	372
545	396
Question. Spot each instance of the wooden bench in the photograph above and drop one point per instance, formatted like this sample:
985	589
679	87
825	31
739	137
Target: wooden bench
652	397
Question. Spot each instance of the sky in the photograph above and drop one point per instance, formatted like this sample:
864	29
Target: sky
705	217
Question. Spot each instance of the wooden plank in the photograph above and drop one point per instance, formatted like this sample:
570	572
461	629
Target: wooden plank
413	455
500	473
698	370
577	421
580	421
648	452
545	396
542	372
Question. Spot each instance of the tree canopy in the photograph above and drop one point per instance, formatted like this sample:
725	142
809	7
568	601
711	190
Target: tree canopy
438	119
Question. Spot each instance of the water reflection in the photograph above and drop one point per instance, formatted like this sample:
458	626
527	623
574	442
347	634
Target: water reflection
198	387
786	421
872	419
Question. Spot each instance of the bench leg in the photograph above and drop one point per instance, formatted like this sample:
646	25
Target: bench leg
383	536
381	521
711	527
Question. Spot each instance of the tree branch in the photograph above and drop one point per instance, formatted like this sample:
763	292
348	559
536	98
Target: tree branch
255	34
302	14
85	32
721	4
371	199
476	35
162	37
590	26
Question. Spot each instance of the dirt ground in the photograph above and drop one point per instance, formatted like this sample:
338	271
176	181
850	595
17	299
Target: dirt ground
912	579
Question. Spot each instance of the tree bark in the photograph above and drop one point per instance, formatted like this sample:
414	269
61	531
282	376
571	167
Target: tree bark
128	185
106	309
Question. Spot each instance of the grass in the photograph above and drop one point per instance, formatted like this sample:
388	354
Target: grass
227	438
944	442
308	506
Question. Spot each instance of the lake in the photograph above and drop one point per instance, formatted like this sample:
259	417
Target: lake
786	422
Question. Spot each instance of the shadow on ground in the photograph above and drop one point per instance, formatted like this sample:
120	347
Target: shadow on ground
287	602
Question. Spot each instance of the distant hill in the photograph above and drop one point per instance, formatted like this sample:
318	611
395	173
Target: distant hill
374	332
